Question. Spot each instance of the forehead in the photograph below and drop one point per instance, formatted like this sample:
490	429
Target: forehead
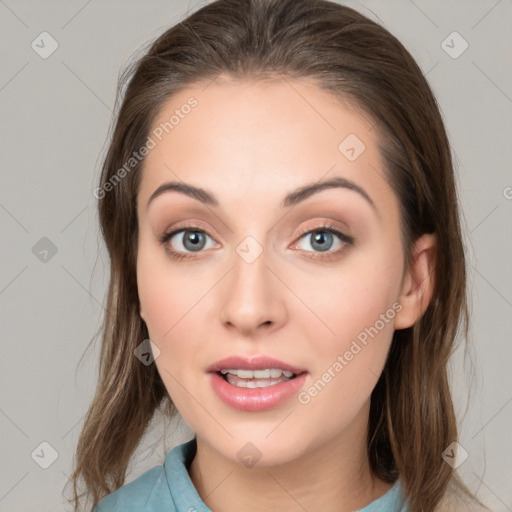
261	137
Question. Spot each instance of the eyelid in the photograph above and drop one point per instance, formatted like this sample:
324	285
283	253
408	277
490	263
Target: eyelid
184	226
324	224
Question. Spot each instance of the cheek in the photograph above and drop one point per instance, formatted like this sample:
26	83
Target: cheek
349	360
156	301
165	293
173	307
356	304
351	296
164	304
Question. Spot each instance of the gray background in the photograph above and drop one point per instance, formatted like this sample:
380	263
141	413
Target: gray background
55	115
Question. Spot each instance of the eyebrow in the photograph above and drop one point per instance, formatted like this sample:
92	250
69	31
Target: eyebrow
291	199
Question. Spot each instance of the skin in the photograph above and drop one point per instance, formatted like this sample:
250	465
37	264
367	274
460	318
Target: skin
250	143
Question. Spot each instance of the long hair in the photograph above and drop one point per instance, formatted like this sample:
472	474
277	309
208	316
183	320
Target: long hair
412	419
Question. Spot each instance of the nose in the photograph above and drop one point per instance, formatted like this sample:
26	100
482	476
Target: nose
252	297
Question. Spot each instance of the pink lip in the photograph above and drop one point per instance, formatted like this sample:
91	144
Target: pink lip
256	399
254	363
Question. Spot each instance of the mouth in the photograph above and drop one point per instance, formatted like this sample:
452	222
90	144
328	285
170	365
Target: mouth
255	384
256	378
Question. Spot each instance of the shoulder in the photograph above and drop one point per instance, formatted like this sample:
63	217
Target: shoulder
142	494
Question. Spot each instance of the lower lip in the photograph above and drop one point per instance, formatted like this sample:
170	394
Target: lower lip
256	399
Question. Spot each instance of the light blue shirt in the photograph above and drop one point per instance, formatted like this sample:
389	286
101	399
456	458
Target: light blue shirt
169	487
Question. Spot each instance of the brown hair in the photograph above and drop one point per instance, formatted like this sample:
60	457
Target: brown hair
412	418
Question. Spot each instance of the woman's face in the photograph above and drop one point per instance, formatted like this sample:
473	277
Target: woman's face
260	274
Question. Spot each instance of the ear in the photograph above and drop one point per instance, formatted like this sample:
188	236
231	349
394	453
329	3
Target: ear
418	282
141	311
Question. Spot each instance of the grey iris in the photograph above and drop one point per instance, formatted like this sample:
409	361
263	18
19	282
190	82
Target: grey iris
319	238
196	239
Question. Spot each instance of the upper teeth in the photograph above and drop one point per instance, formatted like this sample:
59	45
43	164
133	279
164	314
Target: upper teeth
273	373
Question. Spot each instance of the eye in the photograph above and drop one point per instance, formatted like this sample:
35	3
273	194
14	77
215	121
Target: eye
322	238
192	239
188	238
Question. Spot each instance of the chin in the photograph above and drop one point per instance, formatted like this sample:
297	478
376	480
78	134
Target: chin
257	448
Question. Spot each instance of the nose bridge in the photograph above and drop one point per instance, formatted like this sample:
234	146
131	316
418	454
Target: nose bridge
252	298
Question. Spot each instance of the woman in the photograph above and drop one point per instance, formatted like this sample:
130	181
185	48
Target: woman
279	207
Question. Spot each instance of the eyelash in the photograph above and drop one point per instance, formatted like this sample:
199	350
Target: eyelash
325	227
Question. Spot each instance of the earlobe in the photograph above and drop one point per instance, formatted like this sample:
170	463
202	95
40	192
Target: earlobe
418	282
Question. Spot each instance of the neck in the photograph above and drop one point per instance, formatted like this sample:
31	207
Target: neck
333	477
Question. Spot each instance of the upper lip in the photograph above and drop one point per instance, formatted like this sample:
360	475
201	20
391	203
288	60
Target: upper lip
261	362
